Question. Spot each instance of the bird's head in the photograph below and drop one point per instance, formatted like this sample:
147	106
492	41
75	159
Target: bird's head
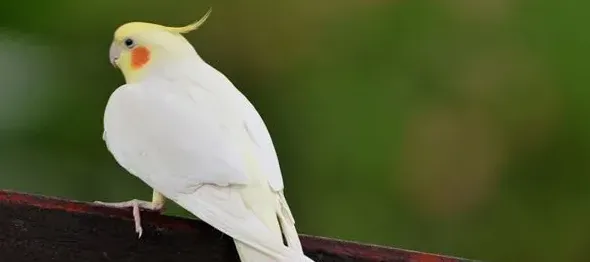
138	47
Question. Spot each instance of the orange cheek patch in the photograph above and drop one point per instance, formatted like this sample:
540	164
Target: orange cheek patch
139	57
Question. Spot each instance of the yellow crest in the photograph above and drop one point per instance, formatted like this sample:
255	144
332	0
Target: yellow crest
191	27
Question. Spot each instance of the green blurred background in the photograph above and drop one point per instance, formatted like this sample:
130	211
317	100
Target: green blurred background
459	127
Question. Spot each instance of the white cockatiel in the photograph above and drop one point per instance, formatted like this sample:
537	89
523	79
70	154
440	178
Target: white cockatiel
185	130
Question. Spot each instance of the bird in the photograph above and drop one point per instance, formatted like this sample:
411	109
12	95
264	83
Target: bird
184	129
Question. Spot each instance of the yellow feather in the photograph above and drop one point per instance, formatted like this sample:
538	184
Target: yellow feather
132	28
191	27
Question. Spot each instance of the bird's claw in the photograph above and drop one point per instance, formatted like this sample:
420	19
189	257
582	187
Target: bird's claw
135	205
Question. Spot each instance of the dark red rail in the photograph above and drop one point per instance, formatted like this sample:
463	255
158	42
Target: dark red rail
39	228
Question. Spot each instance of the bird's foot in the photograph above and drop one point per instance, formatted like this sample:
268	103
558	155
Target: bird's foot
136	205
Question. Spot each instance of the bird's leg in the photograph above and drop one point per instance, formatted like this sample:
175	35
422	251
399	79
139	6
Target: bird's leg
157	204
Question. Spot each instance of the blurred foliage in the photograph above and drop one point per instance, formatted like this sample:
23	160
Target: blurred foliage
459	127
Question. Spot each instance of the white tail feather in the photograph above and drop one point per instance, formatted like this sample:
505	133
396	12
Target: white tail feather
249	254
288	224
224	209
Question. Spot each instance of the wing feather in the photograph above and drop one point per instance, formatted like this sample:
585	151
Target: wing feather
211	79
189	144
169	141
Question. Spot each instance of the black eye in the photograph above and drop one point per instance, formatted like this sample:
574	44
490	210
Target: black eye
129	42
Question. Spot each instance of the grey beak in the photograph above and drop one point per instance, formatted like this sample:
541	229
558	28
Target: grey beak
114	53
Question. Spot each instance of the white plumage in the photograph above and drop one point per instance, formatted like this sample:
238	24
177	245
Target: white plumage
186	131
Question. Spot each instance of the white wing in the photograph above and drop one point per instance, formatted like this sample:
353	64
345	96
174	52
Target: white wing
169	141
214	81
189	145
259	134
